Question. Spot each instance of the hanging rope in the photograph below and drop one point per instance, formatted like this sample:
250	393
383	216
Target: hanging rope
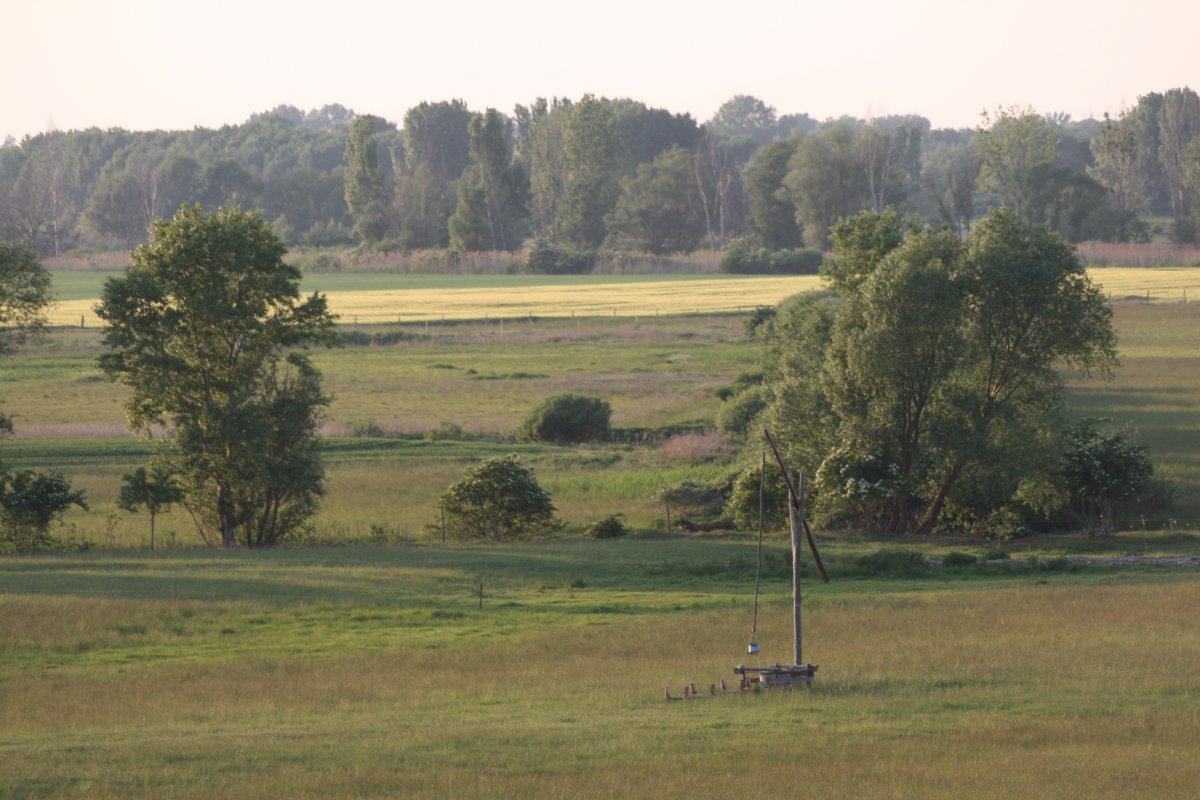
762	523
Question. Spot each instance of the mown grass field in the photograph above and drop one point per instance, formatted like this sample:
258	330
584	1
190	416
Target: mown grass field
373	672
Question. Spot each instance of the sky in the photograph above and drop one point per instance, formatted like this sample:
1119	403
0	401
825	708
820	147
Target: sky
155	64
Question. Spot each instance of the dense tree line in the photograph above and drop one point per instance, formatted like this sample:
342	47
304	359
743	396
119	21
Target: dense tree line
597	172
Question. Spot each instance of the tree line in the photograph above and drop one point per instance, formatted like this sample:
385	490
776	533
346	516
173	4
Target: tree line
607	173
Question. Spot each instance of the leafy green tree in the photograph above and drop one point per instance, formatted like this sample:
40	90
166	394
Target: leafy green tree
949	175
493	193
658	210
771	209
540	147
1103	473
29	502
826	180
498	500
207	330
1115	151
1013	144
1178	125
745	116
155	491
24	294
927	380
592	160
567	418
366	192
469	225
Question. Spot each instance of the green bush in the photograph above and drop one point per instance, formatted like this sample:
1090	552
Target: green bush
543	257
566	419
886	564
498	500
738	413
741	257
956	560
611	527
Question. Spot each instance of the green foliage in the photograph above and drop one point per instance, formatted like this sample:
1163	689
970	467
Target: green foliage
24	294
1104	474
592	155
206	329
567	418
957	560
543	257
1014	144
741	257
610	527
155	491
739	413
29	502
931	380
658	210
366	192
743	503
498	500
771	210
885	564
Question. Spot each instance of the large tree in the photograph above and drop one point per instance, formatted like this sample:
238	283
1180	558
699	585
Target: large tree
592	161
207	330
367	194
659	208
926	379
1013	145
24	295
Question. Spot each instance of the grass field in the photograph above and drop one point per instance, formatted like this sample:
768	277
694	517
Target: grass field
323	669
373	672
484	378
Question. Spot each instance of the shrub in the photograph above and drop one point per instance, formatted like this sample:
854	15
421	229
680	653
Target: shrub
611	527
29	502
737	414
742	505
886	564
741	257
500	499
567	418
956	559
447	432
543	257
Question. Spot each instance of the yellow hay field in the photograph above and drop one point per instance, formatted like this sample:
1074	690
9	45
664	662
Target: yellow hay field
598	297
555	298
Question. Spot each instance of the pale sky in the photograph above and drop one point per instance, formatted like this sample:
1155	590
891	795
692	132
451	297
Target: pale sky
146	64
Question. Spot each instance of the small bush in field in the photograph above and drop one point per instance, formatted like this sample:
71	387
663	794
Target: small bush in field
498	500
692	446
956	559
611	527
567	419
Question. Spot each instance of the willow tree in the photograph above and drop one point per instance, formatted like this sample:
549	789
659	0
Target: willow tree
207	329
926	378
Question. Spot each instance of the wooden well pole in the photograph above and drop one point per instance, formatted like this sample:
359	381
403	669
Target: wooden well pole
796	522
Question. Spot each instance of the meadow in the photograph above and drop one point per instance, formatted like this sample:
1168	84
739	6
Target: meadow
377	672
362	661
477	379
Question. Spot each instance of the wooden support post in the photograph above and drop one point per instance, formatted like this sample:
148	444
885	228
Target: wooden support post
795	521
